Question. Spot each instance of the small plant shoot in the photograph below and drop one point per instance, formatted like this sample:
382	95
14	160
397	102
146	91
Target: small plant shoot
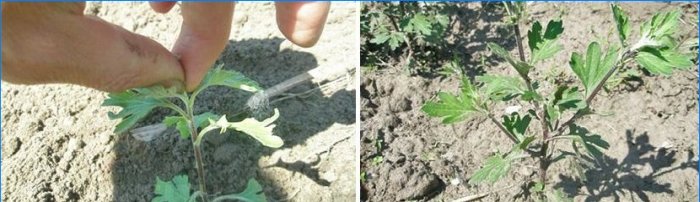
550	117
138	103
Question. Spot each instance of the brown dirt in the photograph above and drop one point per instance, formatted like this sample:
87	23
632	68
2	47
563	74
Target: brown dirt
652	126
58	143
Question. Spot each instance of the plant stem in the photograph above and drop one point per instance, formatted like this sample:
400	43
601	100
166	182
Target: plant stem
406	38
199	161
544	158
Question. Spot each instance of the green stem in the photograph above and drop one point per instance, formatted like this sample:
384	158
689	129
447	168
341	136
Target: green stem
197	148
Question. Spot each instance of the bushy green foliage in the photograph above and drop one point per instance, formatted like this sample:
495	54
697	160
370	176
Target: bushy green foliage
656	51
138	103
411	32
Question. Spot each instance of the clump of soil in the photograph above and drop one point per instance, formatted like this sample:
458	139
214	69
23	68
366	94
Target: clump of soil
58	143
652	123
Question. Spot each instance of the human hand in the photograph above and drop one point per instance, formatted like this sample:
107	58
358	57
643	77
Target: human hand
56	43
206	28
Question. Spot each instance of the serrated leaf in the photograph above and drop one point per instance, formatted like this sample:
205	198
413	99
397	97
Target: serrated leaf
517	125
135	103
496	167
180	123
662	24
591	142
520	66
252	193
452	67
379	38
419	24
454	108
594	67
502	87
544	45
260	130
622	22
663	61
232	79
395	39
176	190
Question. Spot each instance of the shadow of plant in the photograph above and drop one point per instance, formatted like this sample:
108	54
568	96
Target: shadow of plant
623	178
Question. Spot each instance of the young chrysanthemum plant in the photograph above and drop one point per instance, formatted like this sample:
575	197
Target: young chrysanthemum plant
656	51
137	103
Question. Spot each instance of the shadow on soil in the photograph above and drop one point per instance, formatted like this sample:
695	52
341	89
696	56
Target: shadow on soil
621	179
232	158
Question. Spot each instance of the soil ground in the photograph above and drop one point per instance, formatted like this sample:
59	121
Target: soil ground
58	143
651	123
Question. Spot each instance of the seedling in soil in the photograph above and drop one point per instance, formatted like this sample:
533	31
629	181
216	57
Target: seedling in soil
137	103
656	51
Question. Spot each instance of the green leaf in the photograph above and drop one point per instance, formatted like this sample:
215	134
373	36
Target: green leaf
622	21
232	79
591	142
663	61
419	24
176	190
180	123
502	87
537	187
544	46
592	70
395	40
566	98
454	108
252	193
520	66
135	103
452	67
496	167
517	125
662	24
260	130
380	35
563	99
530	96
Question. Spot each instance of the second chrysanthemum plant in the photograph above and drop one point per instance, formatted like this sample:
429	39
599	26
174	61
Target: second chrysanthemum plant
553	114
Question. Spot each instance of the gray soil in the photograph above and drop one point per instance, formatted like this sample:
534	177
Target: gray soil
651	123
58	143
